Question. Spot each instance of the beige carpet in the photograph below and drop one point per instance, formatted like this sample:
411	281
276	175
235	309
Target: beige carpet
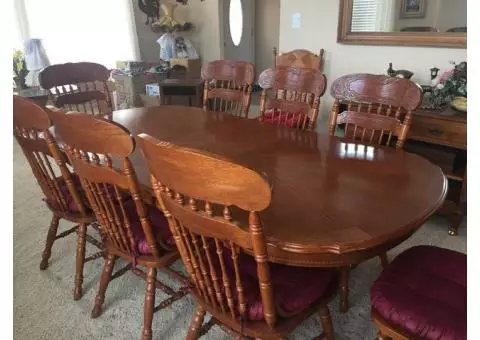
43	300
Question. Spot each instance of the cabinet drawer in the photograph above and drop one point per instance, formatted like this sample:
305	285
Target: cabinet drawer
438	131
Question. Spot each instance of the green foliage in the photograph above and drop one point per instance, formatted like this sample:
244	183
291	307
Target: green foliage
19	66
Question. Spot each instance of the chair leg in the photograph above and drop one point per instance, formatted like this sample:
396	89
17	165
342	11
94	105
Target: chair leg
344	271
104	281
149	304
326	321
196	324
52	233
380	336
81	243
384	260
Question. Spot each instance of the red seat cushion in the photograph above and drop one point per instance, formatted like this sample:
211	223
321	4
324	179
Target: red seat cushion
290	119
158	223
72	206
295	288
424	293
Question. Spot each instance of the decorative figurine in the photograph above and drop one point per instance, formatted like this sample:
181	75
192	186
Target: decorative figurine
433	75
398	73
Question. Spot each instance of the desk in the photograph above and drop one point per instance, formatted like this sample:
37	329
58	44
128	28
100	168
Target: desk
441	137
181	91
37	94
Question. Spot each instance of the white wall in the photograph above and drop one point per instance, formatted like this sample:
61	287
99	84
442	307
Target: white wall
319	19
267	32
442	14
430	20
452	14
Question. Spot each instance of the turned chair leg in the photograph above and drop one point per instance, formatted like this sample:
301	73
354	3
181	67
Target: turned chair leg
52	233
381	336
344	271
104	281
81	244
149	304
326	321
196	325
384	260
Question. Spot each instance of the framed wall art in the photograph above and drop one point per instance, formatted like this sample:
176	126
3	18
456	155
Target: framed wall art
413	9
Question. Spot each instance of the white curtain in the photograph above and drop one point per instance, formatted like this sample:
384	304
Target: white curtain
100	31
385	16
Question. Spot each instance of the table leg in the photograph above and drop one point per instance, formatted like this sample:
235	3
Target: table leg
344	271
454	221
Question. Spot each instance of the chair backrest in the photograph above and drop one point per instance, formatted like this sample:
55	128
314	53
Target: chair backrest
203	195
419	29
79	87
379	107
228	86
299	58
31	124
296	96
462	29
99	151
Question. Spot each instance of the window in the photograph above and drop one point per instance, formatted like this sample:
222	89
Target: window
373	15
236	21
88	30
364	16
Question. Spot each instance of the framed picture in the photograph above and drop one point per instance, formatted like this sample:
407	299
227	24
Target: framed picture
413	9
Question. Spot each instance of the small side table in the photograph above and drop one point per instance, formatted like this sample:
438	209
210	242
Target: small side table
37	94
181	92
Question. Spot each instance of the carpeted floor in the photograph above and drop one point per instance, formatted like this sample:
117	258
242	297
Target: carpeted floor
43	300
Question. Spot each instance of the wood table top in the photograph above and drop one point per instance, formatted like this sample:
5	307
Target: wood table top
330	196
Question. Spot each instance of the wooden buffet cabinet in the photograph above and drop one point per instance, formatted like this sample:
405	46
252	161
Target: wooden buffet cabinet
441	137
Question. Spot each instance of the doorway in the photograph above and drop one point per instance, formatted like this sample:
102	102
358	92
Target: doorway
238	29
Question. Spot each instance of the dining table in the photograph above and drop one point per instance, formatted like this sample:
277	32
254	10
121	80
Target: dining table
335	202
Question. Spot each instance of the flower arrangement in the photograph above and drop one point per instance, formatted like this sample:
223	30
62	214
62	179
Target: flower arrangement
19	68
452	83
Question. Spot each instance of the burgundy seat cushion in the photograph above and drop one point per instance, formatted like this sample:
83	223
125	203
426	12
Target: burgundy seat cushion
295	288
72	206
290	119
424	293
158	223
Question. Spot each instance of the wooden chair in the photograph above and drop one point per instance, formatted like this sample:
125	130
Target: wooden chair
228	86
81	87
296	96
379	111
422	294
133	230
462	29
379	108
419	29
299	58
226	256
61	188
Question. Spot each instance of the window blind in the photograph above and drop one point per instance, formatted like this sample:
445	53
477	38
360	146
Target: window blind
364	16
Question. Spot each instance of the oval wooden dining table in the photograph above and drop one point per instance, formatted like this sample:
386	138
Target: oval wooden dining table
334	202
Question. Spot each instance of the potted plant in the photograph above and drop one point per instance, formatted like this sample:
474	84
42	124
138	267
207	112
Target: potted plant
19	69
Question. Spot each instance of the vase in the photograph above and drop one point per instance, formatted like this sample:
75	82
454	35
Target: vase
20	81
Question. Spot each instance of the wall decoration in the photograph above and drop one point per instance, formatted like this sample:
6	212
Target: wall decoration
398	73
165	23
413	9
